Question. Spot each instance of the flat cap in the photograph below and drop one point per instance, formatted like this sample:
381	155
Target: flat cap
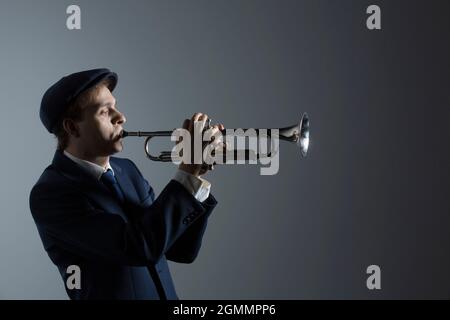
60	95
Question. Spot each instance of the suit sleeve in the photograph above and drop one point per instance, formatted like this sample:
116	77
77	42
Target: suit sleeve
70	220
187	246
177	235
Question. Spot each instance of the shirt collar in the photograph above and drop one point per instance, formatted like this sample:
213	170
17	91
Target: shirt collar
92	168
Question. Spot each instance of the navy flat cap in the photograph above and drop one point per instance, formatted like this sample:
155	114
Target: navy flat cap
60	95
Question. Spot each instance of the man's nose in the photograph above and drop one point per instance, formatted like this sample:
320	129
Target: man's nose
119	118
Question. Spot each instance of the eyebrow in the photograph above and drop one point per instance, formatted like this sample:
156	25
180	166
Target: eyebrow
106	104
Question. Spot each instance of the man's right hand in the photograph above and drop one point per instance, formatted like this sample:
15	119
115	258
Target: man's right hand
201	120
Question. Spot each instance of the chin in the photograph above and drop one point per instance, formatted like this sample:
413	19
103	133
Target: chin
118	147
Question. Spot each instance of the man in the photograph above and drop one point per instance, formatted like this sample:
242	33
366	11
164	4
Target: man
98	213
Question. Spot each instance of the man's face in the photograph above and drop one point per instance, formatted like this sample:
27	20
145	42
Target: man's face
101	127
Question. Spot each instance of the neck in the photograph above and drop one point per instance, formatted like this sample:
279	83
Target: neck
87	156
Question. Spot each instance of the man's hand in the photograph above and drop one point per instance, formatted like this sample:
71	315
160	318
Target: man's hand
201	119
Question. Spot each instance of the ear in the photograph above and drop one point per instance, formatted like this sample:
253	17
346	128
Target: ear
71	127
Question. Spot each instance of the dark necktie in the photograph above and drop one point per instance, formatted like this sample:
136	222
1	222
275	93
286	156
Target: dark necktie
110	181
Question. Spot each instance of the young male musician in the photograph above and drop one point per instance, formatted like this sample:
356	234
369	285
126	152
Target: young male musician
98	212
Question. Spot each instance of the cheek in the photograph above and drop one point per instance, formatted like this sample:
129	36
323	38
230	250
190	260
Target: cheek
103	127
96	129
91	128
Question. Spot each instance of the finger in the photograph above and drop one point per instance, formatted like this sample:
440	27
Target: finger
222	145
215	133
221	127
186	124
196	116
218	146
197	122
202	119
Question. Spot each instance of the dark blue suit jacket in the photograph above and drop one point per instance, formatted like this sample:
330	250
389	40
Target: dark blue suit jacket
81	223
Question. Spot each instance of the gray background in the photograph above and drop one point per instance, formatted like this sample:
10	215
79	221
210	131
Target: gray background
373	190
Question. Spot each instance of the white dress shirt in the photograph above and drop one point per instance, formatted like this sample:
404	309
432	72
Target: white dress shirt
197	186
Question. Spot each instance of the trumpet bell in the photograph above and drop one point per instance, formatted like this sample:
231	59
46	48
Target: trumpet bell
303	142
298	133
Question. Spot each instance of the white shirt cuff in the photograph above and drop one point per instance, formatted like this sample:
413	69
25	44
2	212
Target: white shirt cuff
197	186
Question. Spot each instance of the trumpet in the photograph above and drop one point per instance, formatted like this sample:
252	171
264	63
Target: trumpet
296	134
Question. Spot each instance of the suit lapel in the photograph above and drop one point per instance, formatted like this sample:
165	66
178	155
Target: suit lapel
88	185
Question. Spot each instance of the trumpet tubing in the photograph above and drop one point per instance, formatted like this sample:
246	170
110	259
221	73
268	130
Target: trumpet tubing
298	134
